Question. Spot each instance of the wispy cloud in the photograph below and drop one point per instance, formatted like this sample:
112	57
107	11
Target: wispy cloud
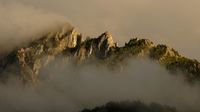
20	23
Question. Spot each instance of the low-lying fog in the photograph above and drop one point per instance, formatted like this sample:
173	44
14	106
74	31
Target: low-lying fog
72	88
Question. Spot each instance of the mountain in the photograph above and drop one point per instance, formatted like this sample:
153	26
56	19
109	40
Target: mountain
25	62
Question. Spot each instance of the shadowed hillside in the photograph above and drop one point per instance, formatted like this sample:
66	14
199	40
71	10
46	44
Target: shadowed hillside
136	106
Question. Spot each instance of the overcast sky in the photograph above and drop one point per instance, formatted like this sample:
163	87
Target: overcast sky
172	22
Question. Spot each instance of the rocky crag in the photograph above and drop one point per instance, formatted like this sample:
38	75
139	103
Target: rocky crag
25	62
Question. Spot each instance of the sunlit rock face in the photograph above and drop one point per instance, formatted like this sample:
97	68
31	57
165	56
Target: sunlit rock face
95	47
104	43
69	43
39	52
64	42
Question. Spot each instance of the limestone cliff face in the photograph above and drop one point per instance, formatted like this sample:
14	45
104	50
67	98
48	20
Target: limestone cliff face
95	47
70	43
31	58
39	53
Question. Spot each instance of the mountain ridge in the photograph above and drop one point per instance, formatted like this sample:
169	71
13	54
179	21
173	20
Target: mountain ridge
29	59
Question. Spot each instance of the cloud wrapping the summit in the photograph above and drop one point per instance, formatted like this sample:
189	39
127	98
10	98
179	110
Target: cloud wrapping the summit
20	23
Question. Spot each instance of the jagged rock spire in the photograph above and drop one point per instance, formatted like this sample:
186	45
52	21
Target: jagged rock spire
106	38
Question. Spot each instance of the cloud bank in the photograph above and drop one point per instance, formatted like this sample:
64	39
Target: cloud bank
72	88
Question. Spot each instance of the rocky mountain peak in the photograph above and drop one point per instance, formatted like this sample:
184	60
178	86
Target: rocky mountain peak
106	39
160	52
69	43
140	42
74	39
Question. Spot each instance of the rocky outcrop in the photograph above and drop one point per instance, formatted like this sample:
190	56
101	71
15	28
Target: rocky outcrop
38	53
161	52
30	59
105	42
95	47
